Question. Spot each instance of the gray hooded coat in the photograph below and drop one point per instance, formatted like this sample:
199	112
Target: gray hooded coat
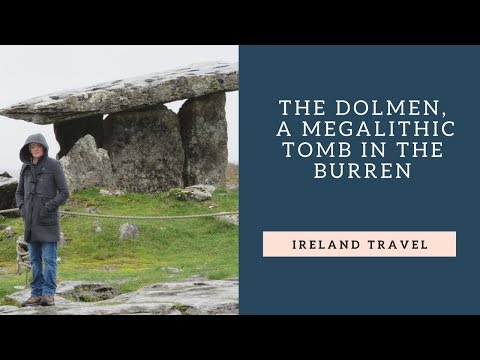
41	189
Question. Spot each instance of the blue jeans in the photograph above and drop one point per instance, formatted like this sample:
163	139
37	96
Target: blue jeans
43	281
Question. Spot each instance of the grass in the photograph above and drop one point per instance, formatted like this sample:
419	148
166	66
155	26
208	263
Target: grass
205	246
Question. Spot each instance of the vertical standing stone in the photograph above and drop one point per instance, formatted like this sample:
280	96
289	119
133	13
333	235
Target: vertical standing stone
68	133
145	149
85	165
204	136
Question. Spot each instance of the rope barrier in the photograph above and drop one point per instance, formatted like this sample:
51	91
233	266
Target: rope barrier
164	217
8	210
23	257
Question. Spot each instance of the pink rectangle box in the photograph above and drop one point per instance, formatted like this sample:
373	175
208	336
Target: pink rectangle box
359	243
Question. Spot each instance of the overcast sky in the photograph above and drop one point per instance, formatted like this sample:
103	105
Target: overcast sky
30	71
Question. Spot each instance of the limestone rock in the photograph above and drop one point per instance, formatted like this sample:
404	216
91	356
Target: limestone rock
8	232
202	187
232	219
128	230
204	136
195	295
86	165
134	93
8	186
106	192
145	148
198	192
91	292
97	226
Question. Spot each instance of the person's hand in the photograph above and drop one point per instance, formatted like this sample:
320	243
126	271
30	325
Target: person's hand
49	206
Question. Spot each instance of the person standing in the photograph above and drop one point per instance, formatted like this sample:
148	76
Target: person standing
41	189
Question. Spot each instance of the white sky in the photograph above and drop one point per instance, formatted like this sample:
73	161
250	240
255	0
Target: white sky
27	71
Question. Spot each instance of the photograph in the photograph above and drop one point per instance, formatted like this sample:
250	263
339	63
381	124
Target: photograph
119	180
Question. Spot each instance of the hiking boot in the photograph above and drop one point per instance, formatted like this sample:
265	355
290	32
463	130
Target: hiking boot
48	300
32	301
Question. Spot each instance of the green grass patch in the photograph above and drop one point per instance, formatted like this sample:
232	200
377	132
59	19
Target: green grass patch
165	250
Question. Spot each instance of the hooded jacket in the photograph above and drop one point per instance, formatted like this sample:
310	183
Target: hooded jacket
41	189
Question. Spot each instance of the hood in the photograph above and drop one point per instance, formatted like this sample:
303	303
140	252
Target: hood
35	138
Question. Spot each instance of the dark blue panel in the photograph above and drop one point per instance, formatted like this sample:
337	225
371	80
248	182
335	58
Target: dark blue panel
281	194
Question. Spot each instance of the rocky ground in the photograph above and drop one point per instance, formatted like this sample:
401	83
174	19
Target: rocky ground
194	296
